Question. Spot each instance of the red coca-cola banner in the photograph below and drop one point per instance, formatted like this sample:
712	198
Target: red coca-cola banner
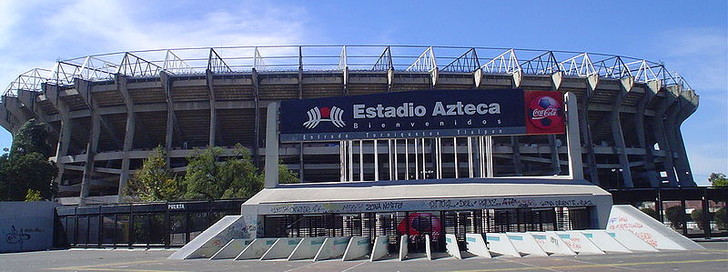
544	112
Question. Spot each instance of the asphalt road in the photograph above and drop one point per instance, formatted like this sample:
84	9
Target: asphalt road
713	258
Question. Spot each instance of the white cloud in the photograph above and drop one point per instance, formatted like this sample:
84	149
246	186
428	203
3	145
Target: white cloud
36	34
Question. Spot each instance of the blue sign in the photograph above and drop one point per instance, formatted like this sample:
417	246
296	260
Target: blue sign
429	113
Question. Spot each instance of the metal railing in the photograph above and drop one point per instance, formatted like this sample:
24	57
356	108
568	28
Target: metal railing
162	224
373	58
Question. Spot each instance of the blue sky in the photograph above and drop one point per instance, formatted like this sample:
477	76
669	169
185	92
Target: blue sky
690	37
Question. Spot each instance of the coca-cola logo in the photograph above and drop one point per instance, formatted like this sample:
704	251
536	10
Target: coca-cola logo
544	112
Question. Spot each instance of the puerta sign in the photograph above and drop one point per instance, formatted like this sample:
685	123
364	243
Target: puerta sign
429	113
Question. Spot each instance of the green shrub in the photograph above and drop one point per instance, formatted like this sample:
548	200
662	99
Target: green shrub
721	218
697	216
675	214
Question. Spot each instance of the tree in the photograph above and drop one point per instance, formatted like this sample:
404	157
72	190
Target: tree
33	195
26	167
210	176
155	181
718	180
31	137
721	218
697	216
675	215
285	175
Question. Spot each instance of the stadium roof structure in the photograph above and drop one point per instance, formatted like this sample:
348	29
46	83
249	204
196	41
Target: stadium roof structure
360	58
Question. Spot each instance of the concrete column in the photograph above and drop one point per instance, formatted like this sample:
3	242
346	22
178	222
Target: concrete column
573	140
271	147
617	134
661	137
91	149
52	94
166	81
256	128
555	164
490	165
674	136
592	82
556	80
121	85
213	111
640	117
683	165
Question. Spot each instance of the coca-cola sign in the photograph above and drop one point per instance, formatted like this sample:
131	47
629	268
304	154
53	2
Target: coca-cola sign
545	112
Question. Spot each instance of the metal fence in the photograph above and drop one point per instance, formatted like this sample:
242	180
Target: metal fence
169	224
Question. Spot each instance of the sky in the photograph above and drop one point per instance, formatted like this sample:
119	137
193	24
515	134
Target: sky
689	37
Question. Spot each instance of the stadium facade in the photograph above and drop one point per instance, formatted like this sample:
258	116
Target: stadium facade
108	111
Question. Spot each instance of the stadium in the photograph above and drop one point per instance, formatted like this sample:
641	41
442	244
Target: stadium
107	111
603	122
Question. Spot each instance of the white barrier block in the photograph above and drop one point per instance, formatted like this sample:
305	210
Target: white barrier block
525	244
332	248
403	247
631	241
380	248
476	245
358	248
428	247
307	248
626	217
552	244
451	244
281	248
604	241
499	243
579	243
231	249
256	249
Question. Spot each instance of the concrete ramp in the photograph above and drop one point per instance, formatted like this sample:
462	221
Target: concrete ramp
307	248
256	249
525	244
357	248
499	243
451	244
579	243
281	249
604	241
380	248
231	249
403	247
476	245
626	217
631	241
332	248
212	239
552	244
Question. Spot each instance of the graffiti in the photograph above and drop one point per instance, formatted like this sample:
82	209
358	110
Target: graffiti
437	204
623	223
386	205
647	237
566	203
16	237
